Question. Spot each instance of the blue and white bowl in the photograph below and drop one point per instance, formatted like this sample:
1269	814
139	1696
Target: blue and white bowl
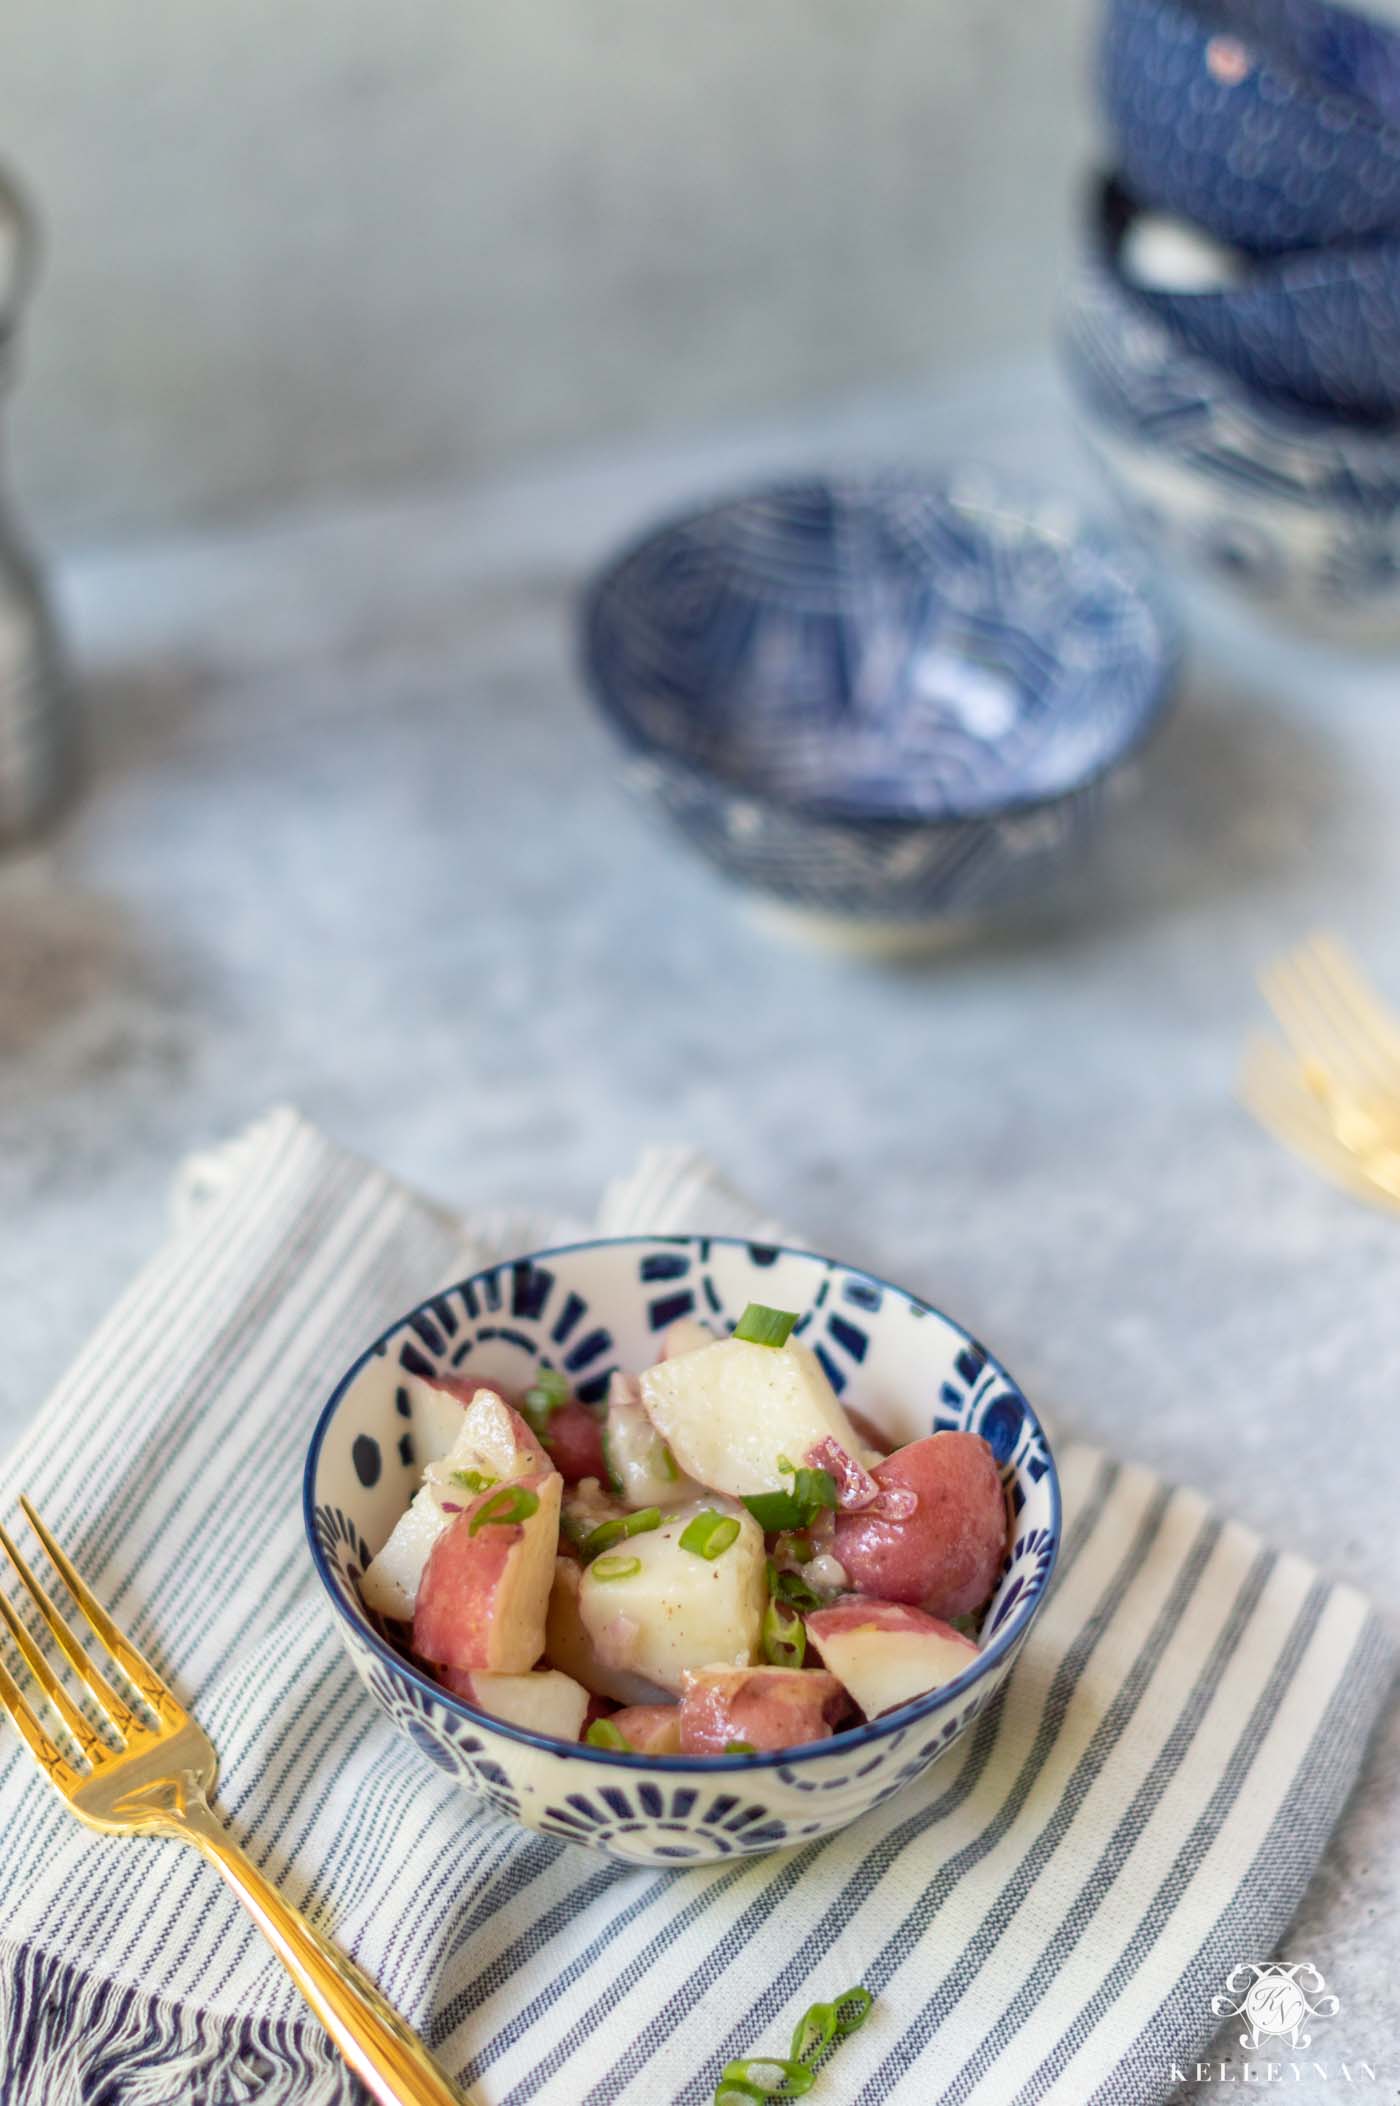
1275	124
1296	511
600	1305
886	703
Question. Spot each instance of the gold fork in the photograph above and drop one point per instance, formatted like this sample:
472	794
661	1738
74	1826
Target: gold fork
156	1782
1336	1100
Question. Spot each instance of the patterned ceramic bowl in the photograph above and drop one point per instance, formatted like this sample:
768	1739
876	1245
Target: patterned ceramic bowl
887	704
1273	123
1318	329
1297	511
599	1305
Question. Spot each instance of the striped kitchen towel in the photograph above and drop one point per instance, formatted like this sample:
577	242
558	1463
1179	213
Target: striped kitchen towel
1046	1916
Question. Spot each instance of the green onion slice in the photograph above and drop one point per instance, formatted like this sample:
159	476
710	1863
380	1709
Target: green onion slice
765	2077
737	2091
618	1529
790	1587
511	1503
604	1734
861	2001
709	1534
740	1747
813	2034
760	1325
784	1636
546	1394
615	1568
778	1512
473	1480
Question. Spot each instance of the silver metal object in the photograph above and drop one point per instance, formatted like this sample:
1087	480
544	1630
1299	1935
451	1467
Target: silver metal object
36	717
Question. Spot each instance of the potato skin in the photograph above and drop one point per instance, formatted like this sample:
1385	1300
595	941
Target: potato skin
769	1707
574	1438
946	1555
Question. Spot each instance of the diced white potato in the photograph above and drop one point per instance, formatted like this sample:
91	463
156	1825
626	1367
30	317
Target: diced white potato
687	1335
494	1440
678	1610
569	1645
543	1702
586	1507
390	1585
640	1464
487	1437
886	1653
731	1409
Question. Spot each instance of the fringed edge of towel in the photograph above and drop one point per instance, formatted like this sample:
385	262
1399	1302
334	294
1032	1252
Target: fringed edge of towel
70	2038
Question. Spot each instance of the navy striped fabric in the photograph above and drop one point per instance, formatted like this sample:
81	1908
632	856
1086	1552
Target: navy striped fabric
1045	1916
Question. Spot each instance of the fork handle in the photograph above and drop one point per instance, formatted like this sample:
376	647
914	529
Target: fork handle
387	2057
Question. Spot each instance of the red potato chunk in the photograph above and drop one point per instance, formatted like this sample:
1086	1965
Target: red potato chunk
946	1554
574	1438
650	1729
483	1597
769	1707
505	1445
884	1653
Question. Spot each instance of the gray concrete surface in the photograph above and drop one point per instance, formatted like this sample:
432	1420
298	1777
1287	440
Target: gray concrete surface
292	250
352	838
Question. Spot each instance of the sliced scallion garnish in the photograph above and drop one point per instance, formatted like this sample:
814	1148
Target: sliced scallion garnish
543	1398
618	1529
778	1512
604	1734
760	1325
511	1503
784	1636
473	1480
740	1747
764	2077
608	1569
709	1534
861	2000
790	1587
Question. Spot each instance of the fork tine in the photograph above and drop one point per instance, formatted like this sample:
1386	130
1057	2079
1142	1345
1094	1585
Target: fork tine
95	1749
116	1706
1277	1097
49	1757
133	1663
1369	1015
1309	1024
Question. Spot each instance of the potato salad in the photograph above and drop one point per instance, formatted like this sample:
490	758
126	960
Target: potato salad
721	1559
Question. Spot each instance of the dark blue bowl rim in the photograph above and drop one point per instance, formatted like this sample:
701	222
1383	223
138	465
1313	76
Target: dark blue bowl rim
1116	546
1005	1641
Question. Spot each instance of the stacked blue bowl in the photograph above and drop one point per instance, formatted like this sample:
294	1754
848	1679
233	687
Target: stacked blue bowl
1233	336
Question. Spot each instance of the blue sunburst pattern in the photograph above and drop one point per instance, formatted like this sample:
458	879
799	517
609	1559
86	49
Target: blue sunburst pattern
602	1305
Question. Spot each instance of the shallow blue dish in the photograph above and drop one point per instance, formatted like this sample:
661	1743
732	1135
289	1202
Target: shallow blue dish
1291	508
1275	124
602	1304
886	703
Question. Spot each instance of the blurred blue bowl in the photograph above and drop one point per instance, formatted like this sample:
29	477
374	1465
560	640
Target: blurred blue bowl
885	704
1299	511
1274	124
1319	329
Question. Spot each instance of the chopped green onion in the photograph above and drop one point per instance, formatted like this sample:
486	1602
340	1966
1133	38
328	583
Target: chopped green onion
813	2034
794	1548
751	2078
511	1503
473	1480
617	1530
668	1464
790	1587
710	1533
777	1512
546	1394
760	1325
862	2000
604	1734
784	1636
792	2075
740	1747
615	1568
609	1468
